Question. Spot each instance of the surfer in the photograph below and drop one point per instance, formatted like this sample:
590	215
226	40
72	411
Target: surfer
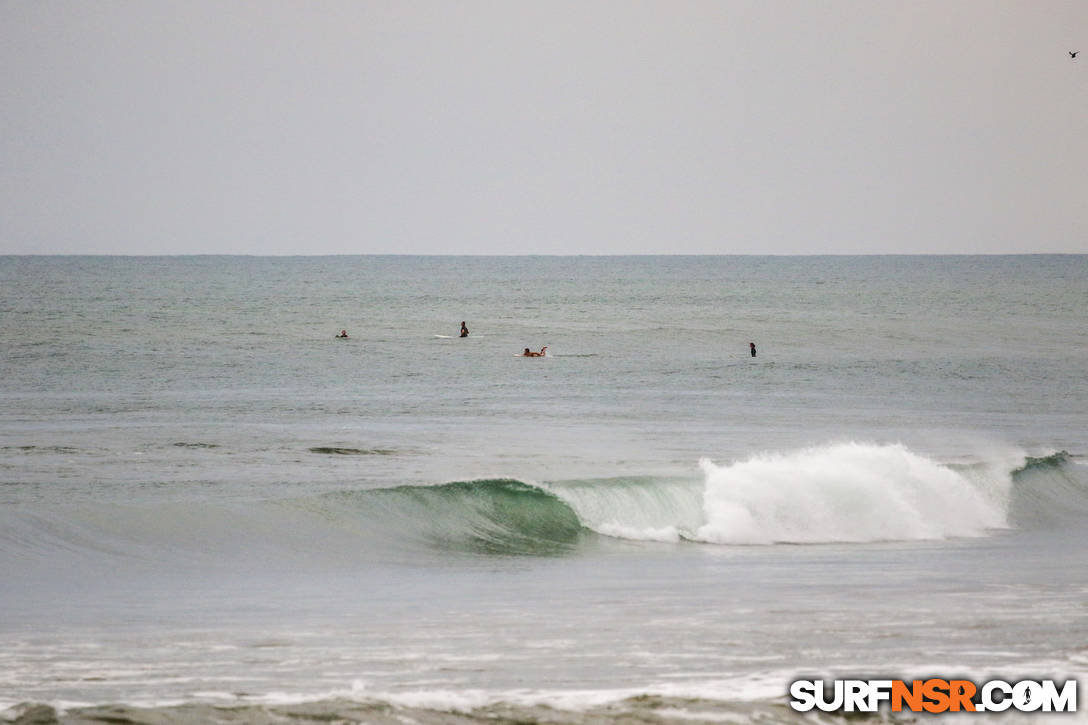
530	353
752	345
343	333
464	330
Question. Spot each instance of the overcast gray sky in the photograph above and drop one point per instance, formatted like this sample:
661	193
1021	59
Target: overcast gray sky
544	127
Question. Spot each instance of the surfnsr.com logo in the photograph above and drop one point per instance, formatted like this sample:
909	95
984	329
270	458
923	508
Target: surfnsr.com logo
934	695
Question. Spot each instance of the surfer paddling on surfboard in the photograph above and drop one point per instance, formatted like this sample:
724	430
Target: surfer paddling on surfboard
530	353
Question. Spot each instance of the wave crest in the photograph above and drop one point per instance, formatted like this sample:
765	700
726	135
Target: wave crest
850	492
1052	461
493	516
853	492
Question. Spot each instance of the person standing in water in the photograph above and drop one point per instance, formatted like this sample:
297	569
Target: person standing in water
464	330
753	346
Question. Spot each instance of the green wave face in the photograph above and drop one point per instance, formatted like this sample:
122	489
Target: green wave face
1049	490
502	517
1053	461
509	517
490	516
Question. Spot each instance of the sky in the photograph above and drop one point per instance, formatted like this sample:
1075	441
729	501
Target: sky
557	127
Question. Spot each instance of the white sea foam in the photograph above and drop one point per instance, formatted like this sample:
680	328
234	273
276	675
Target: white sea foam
619	531
756	686
850	492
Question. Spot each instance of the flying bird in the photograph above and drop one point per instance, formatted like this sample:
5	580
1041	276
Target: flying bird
1073	53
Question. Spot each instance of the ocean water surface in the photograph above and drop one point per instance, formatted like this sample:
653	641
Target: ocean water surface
211	509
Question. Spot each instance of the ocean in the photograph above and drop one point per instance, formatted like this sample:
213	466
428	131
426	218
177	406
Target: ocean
214	510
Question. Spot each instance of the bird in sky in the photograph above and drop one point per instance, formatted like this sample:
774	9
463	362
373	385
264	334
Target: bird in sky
1073	54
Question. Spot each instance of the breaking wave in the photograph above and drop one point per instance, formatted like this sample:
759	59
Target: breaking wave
1049	490
841	493
492	516
849	492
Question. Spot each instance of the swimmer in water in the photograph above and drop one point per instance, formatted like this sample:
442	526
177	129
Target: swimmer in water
753	346
464	330
343	333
